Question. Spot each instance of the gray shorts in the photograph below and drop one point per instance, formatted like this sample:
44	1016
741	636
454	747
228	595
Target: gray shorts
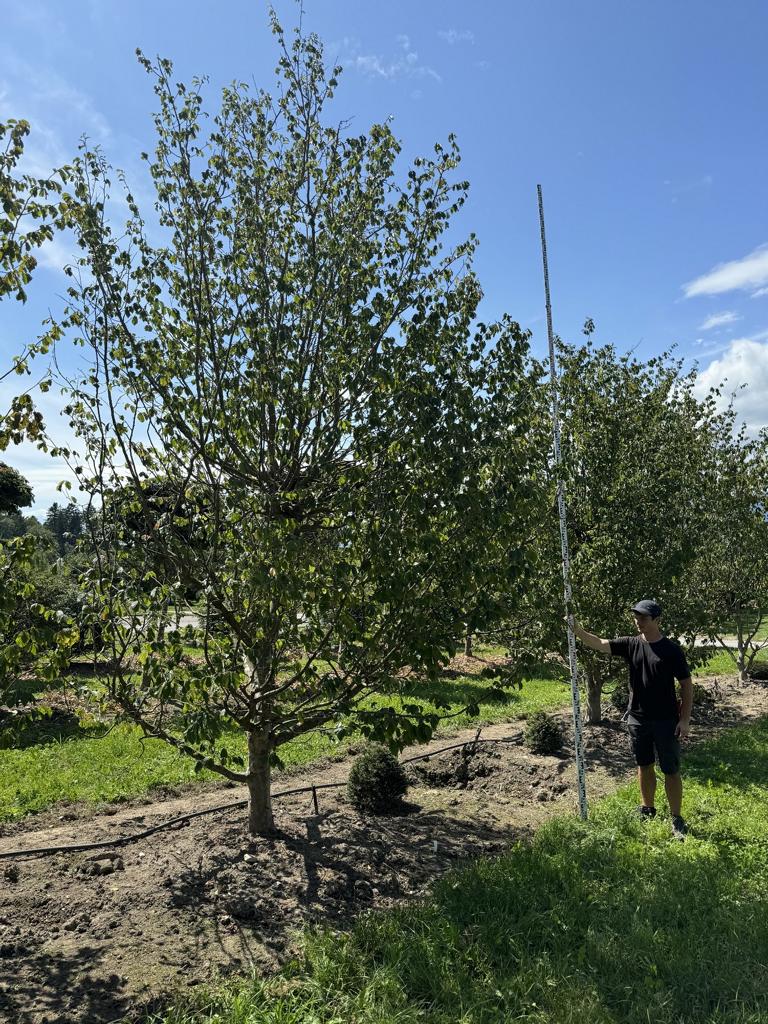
656	738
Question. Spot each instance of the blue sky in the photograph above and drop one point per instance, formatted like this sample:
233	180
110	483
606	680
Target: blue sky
645	123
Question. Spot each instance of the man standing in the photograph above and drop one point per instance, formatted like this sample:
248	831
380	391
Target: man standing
655	724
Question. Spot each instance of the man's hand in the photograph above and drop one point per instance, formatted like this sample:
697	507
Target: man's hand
683	728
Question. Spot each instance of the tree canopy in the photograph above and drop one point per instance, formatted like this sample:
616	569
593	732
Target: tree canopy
15	492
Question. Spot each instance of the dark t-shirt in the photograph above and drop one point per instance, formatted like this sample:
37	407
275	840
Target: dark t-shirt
653	668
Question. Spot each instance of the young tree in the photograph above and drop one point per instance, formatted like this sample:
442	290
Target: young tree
292	401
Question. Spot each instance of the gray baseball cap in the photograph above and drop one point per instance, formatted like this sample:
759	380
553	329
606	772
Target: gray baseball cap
646	607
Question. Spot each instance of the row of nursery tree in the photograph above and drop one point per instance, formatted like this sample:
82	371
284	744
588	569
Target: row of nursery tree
292	416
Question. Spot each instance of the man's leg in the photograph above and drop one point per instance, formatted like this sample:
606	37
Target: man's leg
641	736
673	784
646	774
668	749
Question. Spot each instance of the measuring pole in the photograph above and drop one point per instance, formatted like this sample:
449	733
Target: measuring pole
575	696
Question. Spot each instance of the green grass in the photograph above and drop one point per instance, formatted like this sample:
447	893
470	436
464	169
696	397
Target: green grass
722	664
605	922
729	628
71	761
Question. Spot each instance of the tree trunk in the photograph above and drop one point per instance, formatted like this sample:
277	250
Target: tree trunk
468	644
260	819
741	661
594	696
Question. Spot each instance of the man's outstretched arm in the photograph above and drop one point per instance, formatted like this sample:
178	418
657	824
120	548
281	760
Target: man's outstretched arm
590	640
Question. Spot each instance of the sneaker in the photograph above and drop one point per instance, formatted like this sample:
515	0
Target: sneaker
646	813
679	827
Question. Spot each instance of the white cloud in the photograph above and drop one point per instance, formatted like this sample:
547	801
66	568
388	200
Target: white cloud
45	99
57	253
759	292
403	65
58	113
453	36
719	320
745	274
743	368
36	16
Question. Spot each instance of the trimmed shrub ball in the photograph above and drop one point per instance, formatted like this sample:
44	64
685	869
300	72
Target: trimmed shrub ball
376	782
543	734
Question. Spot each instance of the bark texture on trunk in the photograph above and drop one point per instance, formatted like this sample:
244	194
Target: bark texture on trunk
468	644
260	818
594	696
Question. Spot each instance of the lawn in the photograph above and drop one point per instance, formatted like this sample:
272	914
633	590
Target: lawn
720	663
601	922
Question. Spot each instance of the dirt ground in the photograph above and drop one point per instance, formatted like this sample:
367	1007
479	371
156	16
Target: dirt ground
89	937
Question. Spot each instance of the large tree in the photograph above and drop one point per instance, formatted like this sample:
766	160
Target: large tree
31	632
65	523
29	215
291	392
15	492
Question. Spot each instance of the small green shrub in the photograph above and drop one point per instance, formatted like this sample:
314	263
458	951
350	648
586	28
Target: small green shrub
377	781
543	734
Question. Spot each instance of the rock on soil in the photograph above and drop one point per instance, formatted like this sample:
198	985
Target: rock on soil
88	937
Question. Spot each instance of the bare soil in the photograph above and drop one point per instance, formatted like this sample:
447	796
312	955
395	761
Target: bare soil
95	936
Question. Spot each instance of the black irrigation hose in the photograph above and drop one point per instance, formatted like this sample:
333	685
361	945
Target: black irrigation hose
124	840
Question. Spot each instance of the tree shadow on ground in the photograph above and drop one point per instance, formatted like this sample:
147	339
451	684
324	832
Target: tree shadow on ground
326	870
460	693
59	988
607	746
38	729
